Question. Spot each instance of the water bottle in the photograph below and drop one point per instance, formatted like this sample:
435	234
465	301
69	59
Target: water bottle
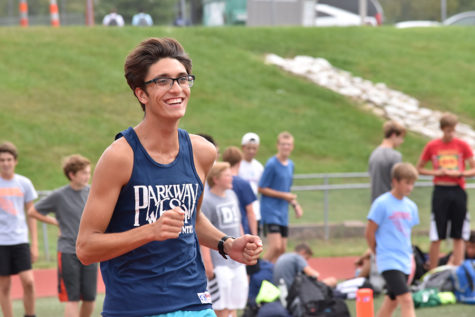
283	292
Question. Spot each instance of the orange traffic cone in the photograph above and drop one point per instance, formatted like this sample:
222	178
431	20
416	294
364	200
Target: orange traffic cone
54	13
23	8
364	302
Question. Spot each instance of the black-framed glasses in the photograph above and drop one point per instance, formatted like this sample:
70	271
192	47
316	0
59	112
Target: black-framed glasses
167	82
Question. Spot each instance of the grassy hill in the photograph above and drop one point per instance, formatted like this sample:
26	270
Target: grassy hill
62	91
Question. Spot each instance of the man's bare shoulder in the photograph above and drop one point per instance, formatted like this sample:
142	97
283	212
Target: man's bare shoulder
117	160
204	150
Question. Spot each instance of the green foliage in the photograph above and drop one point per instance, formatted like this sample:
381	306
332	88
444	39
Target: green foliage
403	10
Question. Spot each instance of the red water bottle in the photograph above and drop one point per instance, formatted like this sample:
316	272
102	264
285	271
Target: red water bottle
364	302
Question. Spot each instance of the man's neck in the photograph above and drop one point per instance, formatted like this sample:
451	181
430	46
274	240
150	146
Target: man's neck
218	191
75	186
387	143
235	169
282	158
7	176
397	194
164	150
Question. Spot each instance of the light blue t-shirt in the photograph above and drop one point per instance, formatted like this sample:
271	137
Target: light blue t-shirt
395	219
14	194
278	177
142	19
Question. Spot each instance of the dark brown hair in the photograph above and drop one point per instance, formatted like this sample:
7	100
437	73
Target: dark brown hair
404	171
74	163
147	53
392	127
8	147
303	247
232	155
448	120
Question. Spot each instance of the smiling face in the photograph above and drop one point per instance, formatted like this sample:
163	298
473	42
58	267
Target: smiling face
7	165
285	147
81	178
249	151
224	180
165	102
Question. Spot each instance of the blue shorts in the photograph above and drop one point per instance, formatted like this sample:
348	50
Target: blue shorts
182	313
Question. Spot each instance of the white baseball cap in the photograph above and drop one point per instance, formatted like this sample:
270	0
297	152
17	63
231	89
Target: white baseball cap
250	137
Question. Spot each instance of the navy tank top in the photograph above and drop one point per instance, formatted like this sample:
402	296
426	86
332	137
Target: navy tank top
160	276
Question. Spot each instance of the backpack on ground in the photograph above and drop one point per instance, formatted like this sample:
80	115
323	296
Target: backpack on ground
308	297
420	258
272	309
439	278
464	282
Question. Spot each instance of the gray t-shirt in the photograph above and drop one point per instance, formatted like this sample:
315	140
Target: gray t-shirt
67	204
224	214
287	266
381	162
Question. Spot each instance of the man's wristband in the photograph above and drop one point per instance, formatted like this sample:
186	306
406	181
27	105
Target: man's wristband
221	246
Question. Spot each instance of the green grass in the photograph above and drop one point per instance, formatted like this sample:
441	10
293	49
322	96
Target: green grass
62	90
50	306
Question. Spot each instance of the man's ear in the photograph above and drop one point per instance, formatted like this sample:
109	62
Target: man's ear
141	95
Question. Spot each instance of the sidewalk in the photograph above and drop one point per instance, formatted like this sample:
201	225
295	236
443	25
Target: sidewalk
46	280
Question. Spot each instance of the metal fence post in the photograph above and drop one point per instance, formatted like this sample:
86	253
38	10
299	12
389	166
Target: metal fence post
45	241
325	207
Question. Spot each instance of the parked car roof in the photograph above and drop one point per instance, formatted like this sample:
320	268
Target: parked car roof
346	12
416	24
463	18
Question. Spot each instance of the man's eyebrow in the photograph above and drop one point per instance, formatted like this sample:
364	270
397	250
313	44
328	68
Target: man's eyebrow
167	75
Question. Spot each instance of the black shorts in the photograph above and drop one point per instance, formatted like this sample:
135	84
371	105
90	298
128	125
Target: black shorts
449	204
396	283
274	228
14	259
75	280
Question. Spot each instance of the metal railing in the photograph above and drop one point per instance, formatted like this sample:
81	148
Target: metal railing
326	187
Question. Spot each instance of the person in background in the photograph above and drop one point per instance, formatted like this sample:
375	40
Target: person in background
243	190
448	156
76	282
251	169
113	19
388	233
384	157
142	19
274	187
220	205
17	194
289	265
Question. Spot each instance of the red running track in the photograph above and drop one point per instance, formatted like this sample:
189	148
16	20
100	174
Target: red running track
46	280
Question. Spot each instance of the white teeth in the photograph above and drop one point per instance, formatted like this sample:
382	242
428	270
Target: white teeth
174	101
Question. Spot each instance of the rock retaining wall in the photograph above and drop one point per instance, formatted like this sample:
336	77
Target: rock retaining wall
380	99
